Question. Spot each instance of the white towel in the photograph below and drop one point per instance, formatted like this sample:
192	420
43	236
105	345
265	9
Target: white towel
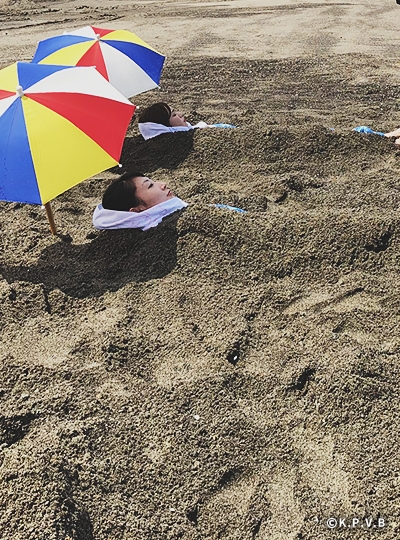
150	129
114	219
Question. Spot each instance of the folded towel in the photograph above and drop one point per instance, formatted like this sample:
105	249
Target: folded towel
366	129
222	125
227	207
149	130
115	219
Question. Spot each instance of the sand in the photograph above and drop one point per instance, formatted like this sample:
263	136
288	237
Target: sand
223	376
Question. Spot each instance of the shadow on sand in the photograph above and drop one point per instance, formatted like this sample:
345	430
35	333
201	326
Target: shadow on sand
163	152
110	261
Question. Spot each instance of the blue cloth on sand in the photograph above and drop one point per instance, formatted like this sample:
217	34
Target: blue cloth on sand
366	129
224	125
227	207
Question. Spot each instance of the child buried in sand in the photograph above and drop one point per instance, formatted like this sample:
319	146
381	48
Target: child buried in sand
136	202
160	118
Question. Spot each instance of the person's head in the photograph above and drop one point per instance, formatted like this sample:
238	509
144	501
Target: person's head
161	113
135	192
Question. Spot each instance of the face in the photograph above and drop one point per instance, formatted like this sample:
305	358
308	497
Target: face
150	193
177	119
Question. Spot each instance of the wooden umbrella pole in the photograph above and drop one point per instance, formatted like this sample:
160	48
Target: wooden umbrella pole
50	217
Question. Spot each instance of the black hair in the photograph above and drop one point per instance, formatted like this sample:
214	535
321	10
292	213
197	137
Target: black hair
121	194
159	113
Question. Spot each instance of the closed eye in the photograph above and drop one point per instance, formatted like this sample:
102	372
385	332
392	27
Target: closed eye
150	185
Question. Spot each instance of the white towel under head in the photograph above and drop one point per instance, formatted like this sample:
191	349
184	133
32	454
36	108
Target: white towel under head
149	130
115	219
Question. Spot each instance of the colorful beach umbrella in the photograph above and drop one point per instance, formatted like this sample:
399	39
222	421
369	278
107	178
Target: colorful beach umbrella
58	126
125	60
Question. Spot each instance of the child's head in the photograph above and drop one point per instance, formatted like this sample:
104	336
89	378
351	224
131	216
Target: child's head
161	113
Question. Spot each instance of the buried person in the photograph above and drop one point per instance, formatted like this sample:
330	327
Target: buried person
134	201
160	118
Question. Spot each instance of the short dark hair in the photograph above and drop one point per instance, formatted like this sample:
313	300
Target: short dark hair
121	194
159	113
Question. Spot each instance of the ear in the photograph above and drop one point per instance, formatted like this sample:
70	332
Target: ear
139	208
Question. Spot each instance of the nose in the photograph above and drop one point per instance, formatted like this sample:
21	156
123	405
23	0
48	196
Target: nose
163	186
